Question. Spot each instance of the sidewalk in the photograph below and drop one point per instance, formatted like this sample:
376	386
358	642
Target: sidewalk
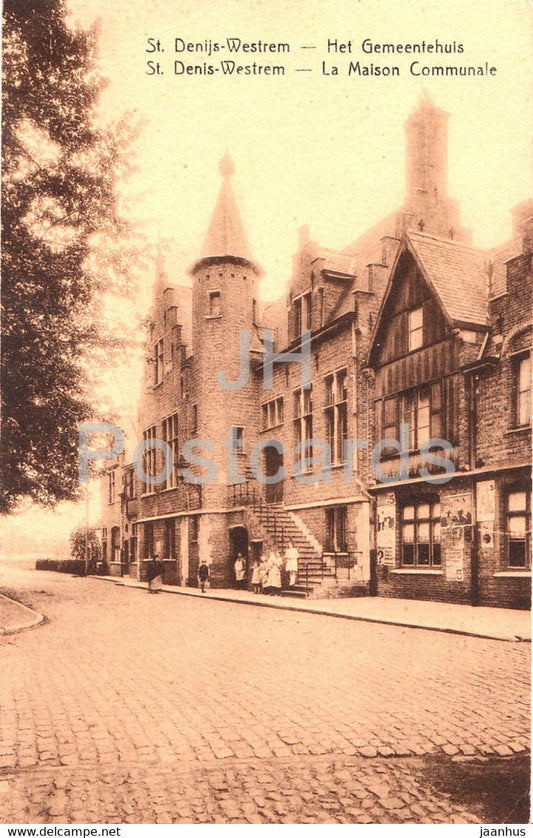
15	617
493	623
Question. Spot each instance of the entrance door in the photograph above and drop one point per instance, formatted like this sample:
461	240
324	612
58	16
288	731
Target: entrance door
273	464
238	544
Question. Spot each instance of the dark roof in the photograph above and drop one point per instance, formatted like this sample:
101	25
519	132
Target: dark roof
225	235
458	275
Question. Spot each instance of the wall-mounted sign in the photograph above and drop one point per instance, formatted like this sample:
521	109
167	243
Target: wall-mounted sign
485	500
455	564
386	530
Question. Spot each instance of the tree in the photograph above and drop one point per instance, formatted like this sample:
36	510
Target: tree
65	246
78	544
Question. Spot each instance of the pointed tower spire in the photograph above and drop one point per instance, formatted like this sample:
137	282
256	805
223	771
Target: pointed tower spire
226	238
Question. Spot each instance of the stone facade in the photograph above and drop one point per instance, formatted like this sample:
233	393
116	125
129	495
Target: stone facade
408	324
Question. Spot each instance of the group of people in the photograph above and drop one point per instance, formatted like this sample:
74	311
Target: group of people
266	572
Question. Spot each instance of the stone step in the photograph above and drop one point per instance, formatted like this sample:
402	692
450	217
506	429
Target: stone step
296	592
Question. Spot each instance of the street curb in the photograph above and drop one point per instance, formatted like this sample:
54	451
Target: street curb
37	619
323	613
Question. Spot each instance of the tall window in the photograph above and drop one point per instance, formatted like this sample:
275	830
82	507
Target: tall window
214	304
302	313
416	329
149	459
237	439
194	419
523	390
303	423
148	540
159	361
272	413
170	436
111	486
336	517
170	538
336	414
420	534
429	412
518	528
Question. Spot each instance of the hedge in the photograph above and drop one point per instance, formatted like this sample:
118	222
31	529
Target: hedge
75	566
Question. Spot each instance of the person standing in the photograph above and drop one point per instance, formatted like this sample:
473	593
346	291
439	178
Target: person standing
154	575
291	563
239	569
256	577
274	573
203	574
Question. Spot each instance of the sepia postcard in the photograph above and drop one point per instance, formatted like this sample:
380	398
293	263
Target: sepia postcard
266	394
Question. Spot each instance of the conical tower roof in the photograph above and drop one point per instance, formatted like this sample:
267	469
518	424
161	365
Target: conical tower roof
225	236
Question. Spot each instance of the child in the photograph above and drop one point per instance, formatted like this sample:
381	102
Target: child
256	577
203	574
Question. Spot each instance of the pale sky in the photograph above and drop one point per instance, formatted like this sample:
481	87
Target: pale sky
327	151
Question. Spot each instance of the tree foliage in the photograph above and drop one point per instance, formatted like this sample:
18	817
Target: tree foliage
65	245
78	544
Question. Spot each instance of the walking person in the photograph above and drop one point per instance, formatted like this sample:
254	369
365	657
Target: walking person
203	574
154	575
291	563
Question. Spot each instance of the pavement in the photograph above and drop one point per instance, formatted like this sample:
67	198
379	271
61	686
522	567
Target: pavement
127	708
495	623
15	617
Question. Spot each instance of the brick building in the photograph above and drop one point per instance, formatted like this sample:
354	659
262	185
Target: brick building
409	325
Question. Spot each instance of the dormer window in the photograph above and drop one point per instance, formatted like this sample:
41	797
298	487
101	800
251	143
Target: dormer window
416	328
302	314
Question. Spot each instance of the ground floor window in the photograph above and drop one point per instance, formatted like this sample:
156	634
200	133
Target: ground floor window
336	518
420	534
170	538
148	540
518	528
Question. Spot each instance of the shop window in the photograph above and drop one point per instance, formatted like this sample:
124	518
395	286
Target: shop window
518	528
420	534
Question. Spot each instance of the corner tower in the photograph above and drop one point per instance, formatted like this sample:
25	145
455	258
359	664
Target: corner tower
225	294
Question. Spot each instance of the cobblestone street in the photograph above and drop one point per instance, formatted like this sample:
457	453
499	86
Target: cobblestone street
125	707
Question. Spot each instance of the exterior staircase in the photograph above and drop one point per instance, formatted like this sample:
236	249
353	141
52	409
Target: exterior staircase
277	527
